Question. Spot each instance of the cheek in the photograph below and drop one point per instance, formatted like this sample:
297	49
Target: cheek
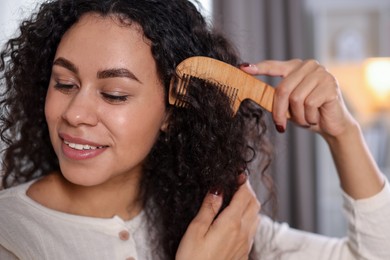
51	117
52	109
49	107
138	130
133	127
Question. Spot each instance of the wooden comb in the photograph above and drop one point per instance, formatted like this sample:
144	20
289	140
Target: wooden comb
235	83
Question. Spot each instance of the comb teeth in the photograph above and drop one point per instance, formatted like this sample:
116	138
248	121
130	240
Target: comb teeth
230	92
181	99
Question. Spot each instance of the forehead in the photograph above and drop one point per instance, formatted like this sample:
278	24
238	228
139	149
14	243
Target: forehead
96	42
110	35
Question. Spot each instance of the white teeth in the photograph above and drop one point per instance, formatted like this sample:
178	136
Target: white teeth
82	146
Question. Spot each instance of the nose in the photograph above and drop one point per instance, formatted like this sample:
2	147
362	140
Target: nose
81	110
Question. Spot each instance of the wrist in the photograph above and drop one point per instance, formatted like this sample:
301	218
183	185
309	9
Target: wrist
359	175
351	133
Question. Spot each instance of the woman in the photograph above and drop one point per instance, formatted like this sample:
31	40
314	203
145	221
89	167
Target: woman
101	147
109	170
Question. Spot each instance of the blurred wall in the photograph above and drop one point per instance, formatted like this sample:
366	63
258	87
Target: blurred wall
11	13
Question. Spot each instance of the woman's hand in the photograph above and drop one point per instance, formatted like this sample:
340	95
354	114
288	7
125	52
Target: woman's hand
313	97
227	237
309	92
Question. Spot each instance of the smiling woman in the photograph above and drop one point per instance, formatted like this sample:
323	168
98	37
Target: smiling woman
91	135
98	165
92	81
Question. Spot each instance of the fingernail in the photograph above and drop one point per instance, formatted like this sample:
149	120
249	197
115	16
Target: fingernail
241	178
245	64
215	191
242	168
280	128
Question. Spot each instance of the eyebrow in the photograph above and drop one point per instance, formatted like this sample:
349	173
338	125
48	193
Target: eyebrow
66	64
101	74
116	73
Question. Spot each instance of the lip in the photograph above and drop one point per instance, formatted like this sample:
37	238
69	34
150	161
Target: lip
75	154
77	140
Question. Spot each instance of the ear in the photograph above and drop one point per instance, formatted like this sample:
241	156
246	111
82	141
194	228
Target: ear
165	122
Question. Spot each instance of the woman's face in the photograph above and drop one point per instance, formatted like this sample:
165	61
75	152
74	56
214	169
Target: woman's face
105	102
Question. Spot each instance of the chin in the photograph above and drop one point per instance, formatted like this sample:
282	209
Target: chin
83	178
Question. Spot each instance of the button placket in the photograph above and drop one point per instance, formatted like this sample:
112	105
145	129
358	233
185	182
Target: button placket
126	247
124	235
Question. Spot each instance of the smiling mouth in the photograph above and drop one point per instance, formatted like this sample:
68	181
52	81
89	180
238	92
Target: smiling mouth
82	147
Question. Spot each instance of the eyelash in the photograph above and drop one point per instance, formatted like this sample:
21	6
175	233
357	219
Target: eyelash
115	99
67	88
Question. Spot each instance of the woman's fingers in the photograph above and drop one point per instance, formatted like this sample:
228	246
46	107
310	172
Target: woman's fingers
308	91
229	235
208	211
293	73
239	203
196	242
250	222
291	91
241	218
272	68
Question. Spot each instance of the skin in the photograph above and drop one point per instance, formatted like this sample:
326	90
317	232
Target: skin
228	237
313	97
112	98
100	186
88	101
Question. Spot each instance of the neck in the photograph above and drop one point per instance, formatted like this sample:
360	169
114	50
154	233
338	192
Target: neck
118	197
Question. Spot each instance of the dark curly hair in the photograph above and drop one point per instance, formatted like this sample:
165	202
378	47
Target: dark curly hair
204	147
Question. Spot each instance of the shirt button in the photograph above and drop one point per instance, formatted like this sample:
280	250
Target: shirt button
124	235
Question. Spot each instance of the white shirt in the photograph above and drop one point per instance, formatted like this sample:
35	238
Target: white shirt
29	230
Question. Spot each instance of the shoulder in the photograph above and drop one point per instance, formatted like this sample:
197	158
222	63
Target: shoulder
6	254
13	203
13	210
13	193
17	209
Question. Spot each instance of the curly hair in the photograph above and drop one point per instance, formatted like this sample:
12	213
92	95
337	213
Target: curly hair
204	146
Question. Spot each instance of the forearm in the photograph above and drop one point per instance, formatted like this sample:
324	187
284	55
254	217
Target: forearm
359	175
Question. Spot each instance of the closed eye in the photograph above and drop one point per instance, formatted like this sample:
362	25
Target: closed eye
114	98
65	88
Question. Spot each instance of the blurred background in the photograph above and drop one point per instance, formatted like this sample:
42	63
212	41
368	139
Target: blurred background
351	38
